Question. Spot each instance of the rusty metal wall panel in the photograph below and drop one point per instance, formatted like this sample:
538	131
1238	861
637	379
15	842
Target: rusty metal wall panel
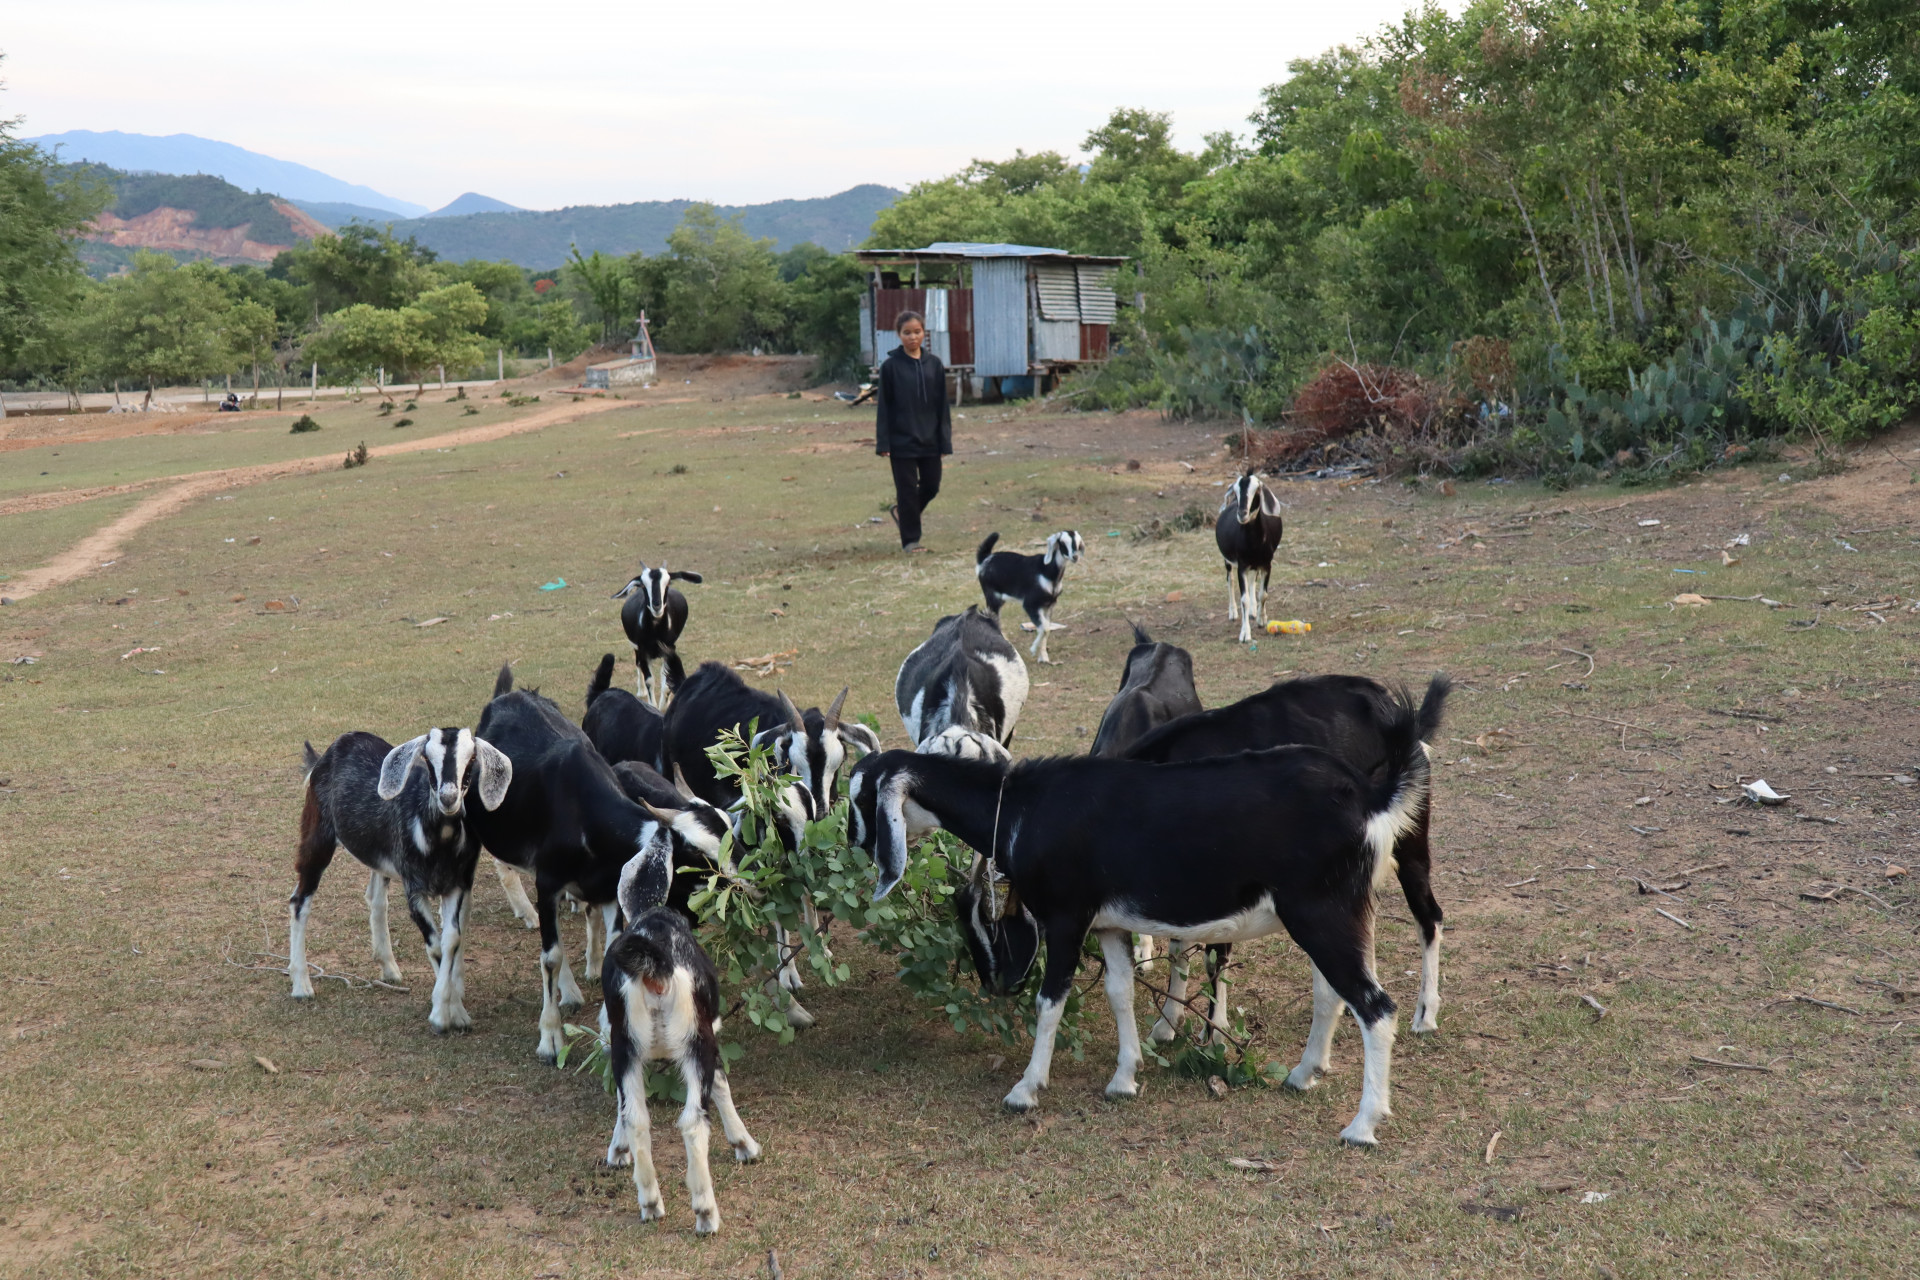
1095	293
889	303
960	325
1058	290
1093	342
1000	317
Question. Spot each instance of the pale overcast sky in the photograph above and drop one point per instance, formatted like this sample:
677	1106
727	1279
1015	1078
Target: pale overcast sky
560	103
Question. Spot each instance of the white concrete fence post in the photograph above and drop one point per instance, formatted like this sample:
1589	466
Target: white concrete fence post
500	357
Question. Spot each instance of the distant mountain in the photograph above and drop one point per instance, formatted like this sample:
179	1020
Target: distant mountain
182	153
334	215
542	240
190	217
473	202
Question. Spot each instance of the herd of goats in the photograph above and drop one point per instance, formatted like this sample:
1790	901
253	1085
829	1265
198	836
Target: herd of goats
1286	811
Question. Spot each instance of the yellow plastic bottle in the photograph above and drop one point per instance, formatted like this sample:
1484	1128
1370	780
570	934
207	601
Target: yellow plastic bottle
1291	627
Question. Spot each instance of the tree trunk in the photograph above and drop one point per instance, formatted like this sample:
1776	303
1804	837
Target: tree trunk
1606	267
1586	261
1633	251
1538	260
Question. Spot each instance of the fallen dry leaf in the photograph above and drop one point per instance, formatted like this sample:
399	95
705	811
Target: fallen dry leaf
1252	1166
1692	599
267	1065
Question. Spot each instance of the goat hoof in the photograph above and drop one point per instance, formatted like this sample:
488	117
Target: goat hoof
572	1000
391	973
455	1019
1161	1033
619	1157
1019	1102
799	1019
746	1152
1355	1136
1121	1092
706	1221
1301	1079
303	992
652	1210
1424	1021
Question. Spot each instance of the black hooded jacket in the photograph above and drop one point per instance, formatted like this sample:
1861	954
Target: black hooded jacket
914	420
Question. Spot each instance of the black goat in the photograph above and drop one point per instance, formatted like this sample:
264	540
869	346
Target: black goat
1354	718
402	823
1156	686
1289	838
653	621
663	1003
1035	581
621	726
1247	532
965	675
812	746
568	820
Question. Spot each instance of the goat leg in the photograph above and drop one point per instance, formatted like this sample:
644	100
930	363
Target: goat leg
449	981
516	895
378	927
698	1134
1115	947
745	1149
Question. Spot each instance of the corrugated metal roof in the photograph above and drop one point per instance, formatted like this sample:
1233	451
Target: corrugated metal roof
970	249
1059	292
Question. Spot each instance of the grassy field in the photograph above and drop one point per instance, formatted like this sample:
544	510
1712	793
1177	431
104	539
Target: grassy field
149	806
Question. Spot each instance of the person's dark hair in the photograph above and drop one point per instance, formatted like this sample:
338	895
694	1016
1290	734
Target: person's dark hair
900	321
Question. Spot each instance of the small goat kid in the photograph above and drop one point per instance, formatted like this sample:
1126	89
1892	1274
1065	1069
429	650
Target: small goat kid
653	621
1156	686
663	1004
1035	581
401	811
1247	531
1291	838
965	675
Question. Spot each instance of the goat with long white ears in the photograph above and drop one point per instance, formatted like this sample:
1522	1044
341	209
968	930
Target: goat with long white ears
401	812
653	620
1035	581
1247	531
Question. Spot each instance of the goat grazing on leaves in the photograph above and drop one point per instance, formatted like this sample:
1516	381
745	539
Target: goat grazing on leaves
1290	838
1356	719
1156	686
1035	581
663	1004
621	726
401	811
653	621
1247	532
568	820
811	745
965	675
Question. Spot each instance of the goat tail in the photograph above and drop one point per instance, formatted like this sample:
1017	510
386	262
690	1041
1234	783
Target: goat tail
503	683
1434	705
602	678
1140	635
1399	800
308	759
985	549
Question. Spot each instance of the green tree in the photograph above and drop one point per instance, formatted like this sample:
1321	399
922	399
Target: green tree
610	289
436	330
167	323
720	289
358	264
40	277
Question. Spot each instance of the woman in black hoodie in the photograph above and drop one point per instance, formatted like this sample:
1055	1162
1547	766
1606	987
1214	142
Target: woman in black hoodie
914	427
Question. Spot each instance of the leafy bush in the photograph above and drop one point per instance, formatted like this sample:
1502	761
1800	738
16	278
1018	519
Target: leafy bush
303	423
356	457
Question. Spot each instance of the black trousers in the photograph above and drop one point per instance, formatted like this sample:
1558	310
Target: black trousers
916	482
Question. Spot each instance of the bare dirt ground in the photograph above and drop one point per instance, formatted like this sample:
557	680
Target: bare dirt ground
1742	1101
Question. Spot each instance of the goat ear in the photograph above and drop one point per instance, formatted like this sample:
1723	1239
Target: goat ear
1269	501
793	713
393	770
890	844
496	773
633	585
833	712
863	740
686	575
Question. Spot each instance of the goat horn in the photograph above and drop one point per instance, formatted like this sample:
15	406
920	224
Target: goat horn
664	815
793	712
680	780
833	712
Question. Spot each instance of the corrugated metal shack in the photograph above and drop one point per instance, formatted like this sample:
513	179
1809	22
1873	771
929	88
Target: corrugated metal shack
1006	319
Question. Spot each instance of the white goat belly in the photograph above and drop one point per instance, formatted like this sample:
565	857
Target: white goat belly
1257	921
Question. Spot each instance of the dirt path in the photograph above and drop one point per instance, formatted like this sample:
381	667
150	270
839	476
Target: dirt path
104	545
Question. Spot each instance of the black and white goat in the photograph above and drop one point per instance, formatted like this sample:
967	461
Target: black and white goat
663	1004
1156	686
1035	581
402	812
1247	532
621	726
1356	719
812	745
653	620
965	675
1220	850
568	820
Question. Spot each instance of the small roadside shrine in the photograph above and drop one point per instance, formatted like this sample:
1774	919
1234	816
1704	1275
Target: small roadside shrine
1006	319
